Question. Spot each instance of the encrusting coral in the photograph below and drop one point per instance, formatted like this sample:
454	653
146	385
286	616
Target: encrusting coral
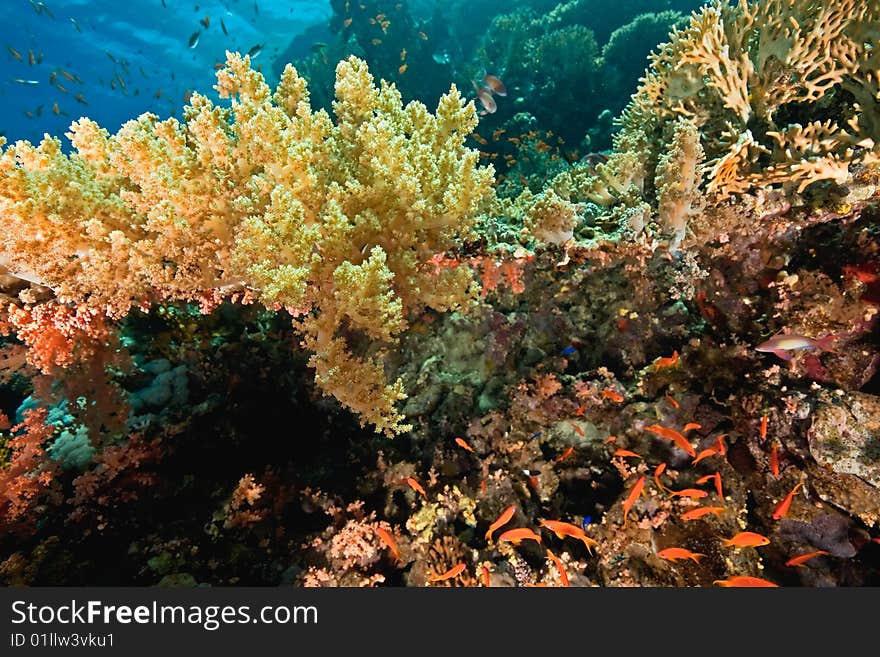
267	200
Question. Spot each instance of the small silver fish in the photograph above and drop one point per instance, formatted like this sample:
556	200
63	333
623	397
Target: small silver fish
256	50
783	343
23	81
194	39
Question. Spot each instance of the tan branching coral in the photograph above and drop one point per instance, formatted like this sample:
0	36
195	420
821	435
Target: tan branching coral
739	71
333	220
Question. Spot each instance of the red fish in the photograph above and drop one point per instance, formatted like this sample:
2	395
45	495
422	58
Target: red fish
563	577
461	443
746	539
700	511
706	453
626	452
502	520
695	493
671	400
612	395
774	460
801	559
634	493
674	436
412	483
675	553
659	470
763	431
518	535
455	571
568	452
563	529
668	361
783	506
388	540
745	581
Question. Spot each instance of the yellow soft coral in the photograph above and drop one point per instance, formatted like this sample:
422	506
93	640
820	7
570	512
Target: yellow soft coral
334	220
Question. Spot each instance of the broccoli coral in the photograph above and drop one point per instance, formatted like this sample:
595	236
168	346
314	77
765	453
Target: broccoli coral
334	221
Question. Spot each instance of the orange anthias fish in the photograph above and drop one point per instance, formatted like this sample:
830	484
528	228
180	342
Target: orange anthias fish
634	493
695	493
799	560
388	540
667	361
485	575
568	452
717	477
518	535
563	529
691	425
783	506
675	553
774	460
503	519
563	577
720	446
706	453
495	85
745	581
455	571
612	395
674	436
626	452
671	400
659	470
463	444
700	511
763	430
746	539
412	483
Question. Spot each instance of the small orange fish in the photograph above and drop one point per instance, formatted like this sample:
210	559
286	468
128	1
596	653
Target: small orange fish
518	535
60	88
455	571
463	444
81	99
720	446
67	76
346	22
763	427
388	540
612	395
774	460
610	439
503	519
691	425
634	493
667	361
695	493
671	400
675	553
706	453
206	21
674	436
31	59
577	428
783	506
659	470
568	452
745	581
412	483
563	529
746	539
14	53
402	69
700	511
563	577
717	477
423	36
484	573
626	453
801	559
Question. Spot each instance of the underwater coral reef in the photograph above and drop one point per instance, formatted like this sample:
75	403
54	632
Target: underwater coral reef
557	296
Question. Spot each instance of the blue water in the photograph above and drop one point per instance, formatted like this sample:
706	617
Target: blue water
139	42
